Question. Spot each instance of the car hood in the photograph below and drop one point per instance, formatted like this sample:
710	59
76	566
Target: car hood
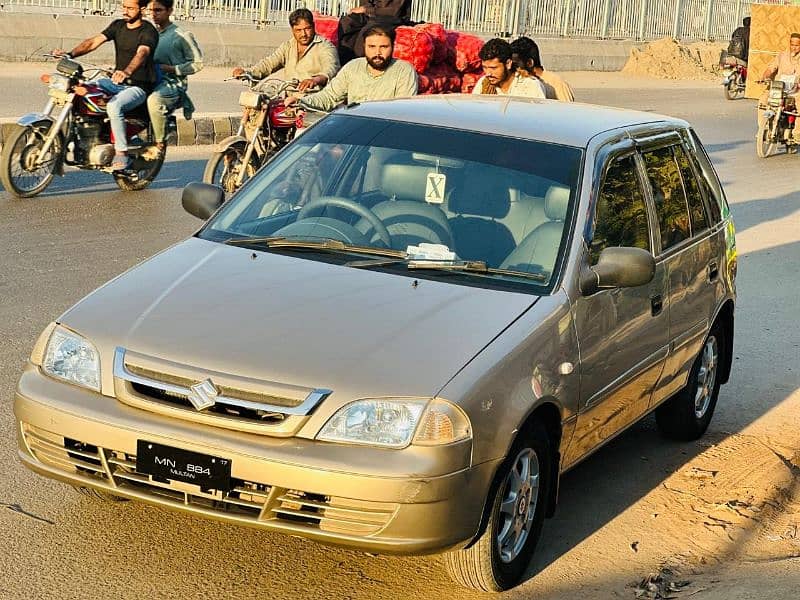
288	319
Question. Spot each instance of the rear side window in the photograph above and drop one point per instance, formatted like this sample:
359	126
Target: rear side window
708	178
668	196
620	216
694	197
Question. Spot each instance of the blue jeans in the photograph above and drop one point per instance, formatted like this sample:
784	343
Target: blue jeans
125	98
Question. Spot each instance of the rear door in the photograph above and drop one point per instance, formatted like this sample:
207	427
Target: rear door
689	252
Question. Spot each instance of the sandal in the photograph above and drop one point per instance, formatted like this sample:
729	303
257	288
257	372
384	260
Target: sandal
121	162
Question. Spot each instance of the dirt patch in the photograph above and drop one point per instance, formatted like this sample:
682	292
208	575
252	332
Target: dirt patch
669	59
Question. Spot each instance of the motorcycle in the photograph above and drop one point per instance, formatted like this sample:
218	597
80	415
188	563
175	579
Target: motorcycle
734	79
73	129
778	120
267	125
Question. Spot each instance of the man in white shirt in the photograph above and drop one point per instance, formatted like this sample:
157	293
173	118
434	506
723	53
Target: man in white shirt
500	75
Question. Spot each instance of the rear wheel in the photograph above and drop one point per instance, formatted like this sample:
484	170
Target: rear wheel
764	143
687	414
223	167
497	560
24	170
145	167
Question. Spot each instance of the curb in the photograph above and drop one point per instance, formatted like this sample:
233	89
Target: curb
200	131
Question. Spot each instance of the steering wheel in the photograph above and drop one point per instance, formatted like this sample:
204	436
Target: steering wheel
317	207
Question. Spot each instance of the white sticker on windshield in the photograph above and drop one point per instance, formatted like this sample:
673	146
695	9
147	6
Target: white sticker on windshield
435	188
430	252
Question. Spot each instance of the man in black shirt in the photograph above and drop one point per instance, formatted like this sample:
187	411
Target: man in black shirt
739	46
134	76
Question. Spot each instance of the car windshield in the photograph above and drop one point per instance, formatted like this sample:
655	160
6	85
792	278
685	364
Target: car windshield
444	202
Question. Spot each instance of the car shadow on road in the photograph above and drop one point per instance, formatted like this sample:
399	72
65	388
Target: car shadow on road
754	212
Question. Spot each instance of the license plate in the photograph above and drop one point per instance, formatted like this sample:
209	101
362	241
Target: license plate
208	472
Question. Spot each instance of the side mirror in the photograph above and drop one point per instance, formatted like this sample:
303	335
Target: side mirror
202	199
618	268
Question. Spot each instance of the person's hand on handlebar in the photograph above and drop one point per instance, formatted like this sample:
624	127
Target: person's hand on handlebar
312	82
290	101
59	52
237	72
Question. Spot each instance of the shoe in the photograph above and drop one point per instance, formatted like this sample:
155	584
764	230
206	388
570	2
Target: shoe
122	162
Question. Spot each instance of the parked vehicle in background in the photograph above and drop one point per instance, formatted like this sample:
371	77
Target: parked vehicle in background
267	125
73	130
402	331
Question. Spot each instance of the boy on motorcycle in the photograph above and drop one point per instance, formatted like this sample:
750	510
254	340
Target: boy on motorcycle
785	66
177	56
134	75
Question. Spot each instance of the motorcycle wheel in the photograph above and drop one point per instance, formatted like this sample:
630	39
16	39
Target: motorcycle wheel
764	143
19	175
731	90
145	168
224	166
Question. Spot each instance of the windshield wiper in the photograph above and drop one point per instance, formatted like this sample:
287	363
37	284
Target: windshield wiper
464	266
301	244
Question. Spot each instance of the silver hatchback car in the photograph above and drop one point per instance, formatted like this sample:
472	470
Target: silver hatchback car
402	331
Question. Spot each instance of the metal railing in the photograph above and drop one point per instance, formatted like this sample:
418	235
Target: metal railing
616	19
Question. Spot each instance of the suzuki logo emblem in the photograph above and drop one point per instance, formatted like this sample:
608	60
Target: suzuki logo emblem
203	395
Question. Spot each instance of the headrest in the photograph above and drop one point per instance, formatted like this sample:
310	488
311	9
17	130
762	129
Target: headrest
484	193
556	202
405	181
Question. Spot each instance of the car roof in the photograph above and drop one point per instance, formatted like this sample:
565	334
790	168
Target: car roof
568	123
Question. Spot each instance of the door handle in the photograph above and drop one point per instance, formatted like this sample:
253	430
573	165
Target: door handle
713	271
656	304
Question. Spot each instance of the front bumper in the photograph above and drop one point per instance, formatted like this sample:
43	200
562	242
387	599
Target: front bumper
296	486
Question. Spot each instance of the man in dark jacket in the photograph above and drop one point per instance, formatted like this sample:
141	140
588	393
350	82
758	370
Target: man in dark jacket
739	46
387	14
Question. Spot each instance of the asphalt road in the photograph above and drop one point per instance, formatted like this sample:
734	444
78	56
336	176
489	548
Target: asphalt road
56	248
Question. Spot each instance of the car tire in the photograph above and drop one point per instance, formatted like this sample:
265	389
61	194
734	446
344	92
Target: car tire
99	494
497	560
687	414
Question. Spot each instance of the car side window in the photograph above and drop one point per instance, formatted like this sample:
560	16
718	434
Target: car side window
621	214
708	178
668	196
694	197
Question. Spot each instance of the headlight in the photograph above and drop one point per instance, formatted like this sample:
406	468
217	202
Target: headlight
59	82
72	358
394	422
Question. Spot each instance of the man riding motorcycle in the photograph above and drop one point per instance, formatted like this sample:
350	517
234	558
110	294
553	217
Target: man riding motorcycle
307	57
134	75
739	46
785	67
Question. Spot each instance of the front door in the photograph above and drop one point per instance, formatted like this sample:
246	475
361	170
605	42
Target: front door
622	333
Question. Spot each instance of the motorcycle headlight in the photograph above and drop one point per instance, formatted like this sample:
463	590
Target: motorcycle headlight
73	358
397	422
59	82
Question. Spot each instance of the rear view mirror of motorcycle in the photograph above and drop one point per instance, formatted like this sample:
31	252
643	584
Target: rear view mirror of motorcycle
202	200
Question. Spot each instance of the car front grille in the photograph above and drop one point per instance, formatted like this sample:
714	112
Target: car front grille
250	501
229	401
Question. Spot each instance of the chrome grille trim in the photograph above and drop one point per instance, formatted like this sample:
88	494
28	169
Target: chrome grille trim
310	402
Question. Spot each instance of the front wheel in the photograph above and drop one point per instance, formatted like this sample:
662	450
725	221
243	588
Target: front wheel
145	167
224	167
764	141
687	414
497	560
731	89
24	170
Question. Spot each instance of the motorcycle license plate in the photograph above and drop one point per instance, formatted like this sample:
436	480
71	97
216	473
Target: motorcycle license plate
208	472
59	96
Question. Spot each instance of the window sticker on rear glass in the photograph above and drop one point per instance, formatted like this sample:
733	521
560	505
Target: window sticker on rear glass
435	188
